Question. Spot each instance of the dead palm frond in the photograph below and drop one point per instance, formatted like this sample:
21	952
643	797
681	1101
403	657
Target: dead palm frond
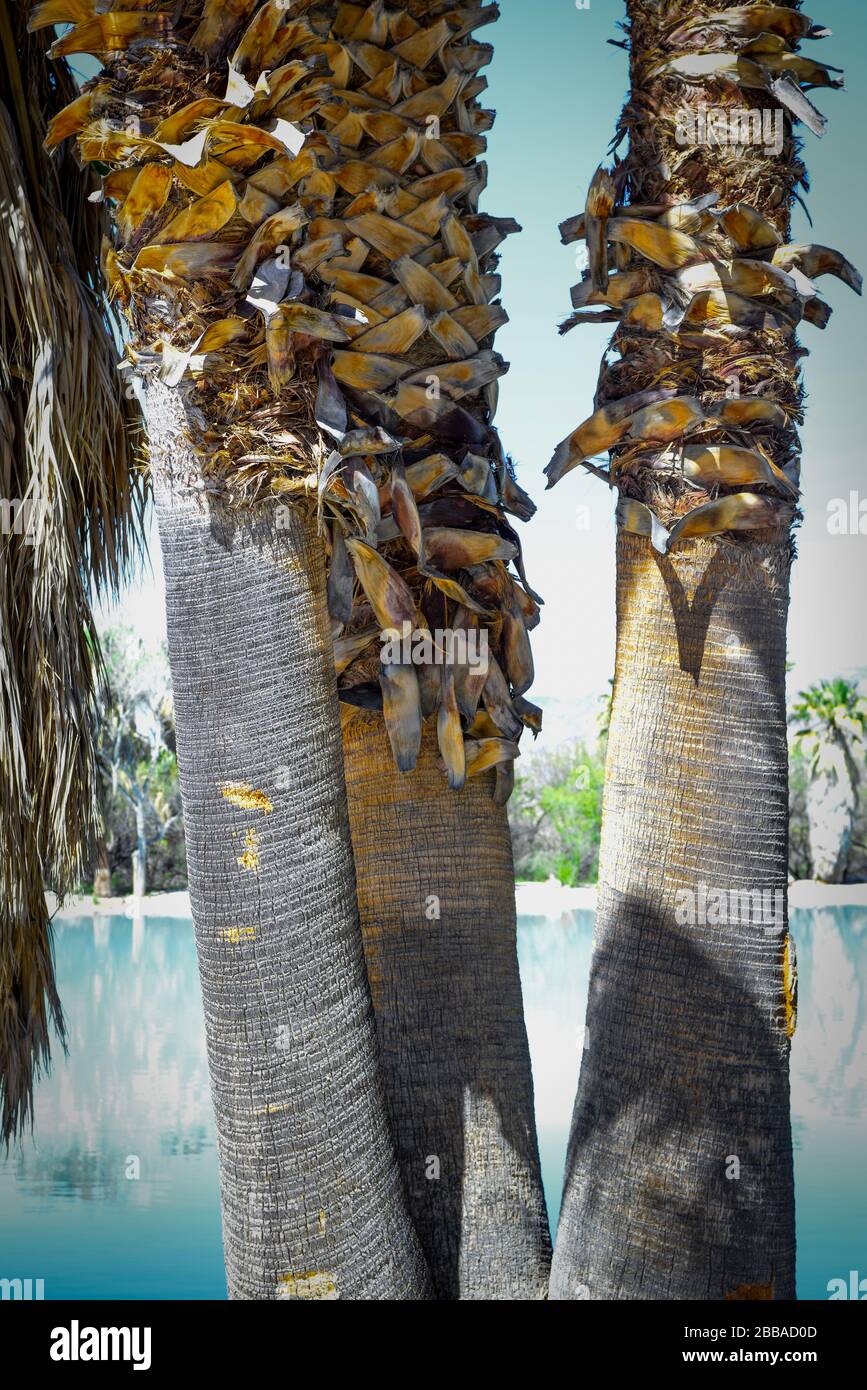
70	513
300	249
700	412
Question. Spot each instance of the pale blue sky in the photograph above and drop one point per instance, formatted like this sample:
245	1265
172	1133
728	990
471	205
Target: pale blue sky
557	86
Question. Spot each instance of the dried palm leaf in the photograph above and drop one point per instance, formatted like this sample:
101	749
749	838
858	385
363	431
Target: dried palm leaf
720	312
321	169
66	459
814	261
726	465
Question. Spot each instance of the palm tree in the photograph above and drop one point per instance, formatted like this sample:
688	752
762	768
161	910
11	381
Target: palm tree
310	292
69	510
833	716
135	732
679	1170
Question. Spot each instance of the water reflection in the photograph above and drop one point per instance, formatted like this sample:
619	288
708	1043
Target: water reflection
118	1196
124	1149
829	1073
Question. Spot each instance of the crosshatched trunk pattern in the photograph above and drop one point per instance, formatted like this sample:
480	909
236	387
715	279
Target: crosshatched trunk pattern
679	1172
313	1205
436	893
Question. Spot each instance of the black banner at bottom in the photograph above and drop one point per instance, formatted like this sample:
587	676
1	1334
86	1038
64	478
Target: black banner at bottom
63	1339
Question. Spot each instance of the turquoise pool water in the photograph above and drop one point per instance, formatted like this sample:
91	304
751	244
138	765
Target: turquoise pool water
118	1196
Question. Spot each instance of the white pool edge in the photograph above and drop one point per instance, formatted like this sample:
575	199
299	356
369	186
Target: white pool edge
549	899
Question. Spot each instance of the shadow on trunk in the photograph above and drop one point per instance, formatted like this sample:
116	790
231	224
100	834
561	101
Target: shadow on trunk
680	1157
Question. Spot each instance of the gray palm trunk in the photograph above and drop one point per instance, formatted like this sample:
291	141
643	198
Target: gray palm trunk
679	1177
831	807
312	1201
140	853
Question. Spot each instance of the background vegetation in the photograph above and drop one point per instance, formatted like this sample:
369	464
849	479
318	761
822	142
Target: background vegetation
555	813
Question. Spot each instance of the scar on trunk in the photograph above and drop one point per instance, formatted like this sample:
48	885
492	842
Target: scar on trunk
313	1284
249	860
248	798
236	935
750	1293
790	985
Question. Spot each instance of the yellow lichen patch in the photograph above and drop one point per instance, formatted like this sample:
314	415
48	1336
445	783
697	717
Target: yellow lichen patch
322	1220
790	986
273	1109
248	798
236	935
249	860
313	1284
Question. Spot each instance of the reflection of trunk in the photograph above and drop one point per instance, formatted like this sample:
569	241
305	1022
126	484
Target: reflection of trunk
436	892
831	807
679	1173
313	1205
102	875
140	853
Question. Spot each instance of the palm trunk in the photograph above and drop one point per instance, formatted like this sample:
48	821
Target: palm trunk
437	900
312	1200
831	807
140	854
102	876
679	1172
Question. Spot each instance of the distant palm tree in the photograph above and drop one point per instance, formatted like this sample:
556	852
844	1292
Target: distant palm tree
70	507
834	719
311	295
679	1178
136	731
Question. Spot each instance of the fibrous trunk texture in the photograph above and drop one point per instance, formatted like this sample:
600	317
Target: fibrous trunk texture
312	1201
679	1171
436	893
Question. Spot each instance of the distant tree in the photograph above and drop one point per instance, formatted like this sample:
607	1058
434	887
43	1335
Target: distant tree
833	718
136	748
556	814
